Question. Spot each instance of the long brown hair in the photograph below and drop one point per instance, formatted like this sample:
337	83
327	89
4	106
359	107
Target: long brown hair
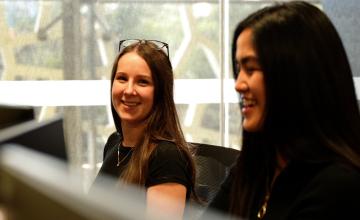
162	123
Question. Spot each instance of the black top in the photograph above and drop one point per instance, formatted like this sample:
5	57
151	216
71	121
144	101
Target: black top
166	164
306	191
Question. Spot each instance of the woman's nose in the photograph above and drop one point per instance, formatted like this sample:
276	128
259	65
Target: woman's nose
241	85
130	89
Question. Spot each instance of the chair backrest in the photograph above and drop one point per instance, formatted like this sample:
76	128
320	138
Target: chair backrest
11	115
213	164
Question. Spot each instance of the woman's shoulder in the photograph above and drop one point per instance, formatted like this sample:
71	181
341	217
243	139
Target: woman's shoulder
339	177
111	142
333	193
318	190
165	145
335	180
325	179
168	149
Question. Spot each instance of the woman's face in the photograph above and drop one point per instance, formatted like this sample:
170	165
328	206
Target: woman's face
132	89
250	83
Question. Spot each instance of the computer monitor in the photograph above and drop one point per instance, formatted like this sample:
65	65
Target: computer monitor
11	115
36	186
46	136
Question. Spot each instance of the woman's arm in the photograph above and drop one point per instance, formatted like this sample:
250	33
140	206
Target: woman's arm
166	199
169	181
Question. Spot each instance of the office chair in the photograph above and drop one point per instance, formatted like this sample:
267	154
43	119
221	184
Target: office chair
213	164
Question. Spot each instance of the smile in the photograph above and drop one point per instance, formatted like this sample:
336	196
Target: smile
247	103
130	104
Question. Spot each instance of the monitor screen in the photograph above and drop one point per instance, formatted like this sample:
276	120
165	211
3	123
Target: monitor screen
35	186
46	136
12	115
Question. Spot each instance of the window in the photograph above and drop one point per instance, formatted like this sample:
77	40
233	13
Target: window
57	56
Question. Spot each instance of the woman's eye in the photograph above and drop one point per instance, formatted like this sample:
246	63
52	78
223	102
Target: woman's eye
249	66
121	78
143	82
249	70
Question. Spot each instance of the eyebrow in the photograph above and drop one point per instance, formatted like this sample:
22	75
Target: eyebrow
140	75
247	59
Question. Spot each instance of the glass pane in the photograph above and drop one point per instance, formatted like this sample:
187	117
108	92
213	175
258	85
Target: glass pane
57	56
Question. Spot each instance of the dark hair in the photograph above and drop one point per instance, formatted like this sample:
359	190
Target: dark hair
163	122
311	108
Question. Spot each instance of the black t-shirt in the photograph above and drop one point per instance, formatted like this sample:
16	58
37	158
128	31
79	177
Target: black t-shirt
167	164
305	191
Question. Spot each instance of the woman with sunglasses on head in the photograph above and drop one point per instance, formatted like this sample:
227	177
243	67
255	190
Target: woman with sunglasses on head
148	149
300	156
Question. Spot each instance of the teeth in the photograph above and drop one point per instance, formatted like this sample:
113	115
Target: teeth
246	102
130	103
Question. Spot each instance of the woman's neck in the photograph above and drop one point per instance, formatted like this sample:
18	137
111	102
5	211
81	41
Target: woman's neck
132	134
281	163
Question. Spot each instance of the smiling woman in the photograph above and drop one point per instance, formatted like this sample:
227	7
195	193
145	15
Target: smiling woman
300	156
148	149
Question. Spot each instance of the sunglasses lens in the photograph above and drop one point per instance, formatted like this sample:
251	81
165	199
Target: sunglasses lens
159	45
162	46
125	43
130	42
